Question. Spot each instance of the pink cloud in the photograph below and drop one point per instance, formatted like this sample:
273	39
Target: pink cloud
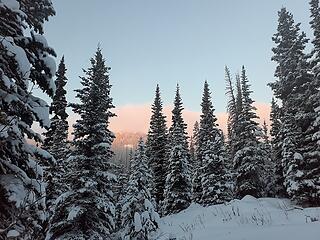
131	118
135	118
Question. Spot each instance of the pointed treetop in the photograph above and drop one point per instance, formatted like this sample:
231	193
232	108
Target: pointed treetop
245	87
158	94
290	44
206	98
59	103
178	123
157	100
177	101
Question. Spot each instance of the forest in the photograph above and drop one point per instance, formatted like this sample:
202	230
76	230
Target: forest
54	187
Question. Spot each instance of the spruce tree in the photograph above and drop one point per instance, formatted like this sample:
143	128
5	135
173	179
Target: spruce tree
57	138
57	135
177	192
276	149
312	134
211	155
249	157
26	63
157	144
138	216
275	119
297	88
268	164
87	210
119	190
265	135
195	137
239	96
233	112
192	154
196	182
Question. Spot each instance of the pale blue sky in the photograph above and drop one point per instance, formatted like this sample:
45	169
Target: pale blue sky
148	42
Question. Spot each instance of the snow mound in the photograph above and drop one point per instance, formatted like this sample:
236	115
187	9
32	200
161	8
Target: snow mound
248	198
246	219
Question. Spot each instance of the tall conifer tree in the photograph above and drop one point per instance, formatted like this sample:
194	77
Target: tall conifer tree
276	149
57	138
87	210
249	157
232	110
157	146
295	87
138	216
57	135
211	155
26	63
177	192
196	182
312	133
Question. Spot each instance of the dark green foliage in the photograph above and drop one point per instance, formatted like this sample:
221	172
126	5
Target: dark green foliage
177	192
87	210
138	216
57	138
25	64
211	156
194	144
298	89
249	157
157	146
276	149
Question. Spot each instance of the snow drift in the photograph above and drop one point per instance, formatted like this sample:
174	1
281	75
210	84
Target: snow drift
246	219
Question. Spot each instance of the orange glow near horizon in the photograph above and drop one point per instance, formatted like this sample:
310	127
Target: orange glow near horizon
135	118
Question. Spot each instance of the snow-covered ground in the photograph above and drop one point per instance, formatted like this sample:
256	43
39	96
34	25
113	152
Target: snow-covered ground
246	219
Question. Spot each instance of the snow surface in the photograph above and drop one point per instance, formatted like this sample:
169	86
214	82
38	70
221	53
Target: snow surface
16	191
246	219
19	55
137	222
73	213
13	234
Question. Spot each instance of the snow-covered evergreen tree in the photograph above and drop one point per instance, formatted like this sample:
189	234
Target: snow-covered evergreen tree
211	155
249	157
192	154
119	190
26	63
288	54
239	97
177	192
157	146
276	149
196	184
57	138
57	135
297	88
195	140
268	164
87	210
138	216
312	97
233	112
275	119
265	135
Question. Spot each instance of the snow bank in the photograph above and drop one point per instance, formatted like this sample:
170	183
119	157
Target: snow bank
246	219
